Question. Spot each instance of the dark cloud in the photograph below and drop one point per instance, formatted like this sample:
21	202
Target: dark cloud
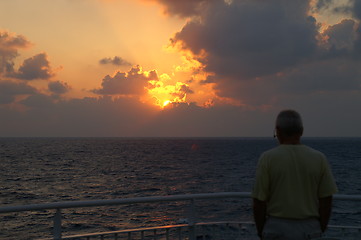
9	90
343	41
260	51
191	120
209	79
323	77
330	115
38	101
130	83
337	75
9	45
357	9
323	114
36	67
85	117
124	117
118	61
251	38
58	87
342	35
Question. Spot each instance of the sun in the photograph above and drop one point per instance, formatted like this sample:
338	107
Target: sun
166	102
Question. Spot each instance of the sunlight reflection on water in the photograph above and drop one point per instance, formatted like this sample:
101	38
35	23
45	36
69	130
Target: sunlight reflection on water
62	169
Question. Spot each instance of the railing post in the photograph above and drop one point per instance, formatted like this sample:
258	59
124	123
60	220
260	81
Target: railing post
167	234
192	220
57	225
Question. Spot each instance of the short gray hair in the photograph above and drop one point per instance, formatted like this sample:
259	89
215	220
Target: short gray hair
289	123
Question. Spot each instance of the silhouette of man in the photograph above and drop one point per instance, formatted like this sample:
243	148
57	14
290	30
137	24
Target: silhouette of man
292	194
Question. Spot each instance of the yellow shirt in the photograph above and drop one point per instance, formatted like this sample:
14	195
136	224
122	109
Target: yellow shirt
291	179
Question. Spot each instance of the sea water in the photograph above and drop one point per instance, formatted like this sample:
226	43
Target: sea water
43	170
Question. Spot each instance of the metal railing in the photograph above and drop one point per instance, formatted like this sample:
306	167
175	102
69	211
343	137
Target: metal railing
190	225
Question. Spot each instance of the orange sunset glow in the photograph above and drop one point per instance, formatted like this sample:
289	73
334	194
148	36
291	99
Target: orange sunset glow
142	67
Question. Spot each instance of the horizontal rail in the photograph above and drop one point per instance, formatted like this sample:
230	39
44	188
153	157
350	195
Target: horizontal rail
347	197
135	230
127	231
109	202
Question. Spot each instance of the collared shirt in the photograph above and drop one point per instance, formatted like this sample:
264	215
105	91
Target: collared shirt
291	179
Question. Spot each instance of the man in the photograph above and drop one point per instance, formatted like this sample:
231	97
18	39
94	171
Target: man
292	195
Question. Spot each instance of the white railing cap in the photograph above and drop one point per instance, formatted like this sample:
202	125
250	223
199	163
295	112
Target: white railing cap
121	201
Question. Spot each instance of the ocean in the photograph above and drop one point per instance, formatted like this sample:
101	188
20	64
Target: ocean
43	170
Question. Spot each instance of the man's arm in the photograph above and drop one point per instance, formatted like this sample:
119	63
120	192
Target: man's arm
325	207
259	214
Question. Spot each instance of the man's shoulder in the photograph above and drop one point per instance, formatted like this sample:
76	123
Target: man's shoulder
272	152
284	149
313	151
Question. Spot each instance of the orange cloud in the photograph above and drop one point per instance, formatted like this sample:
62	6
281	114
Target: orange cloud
163	93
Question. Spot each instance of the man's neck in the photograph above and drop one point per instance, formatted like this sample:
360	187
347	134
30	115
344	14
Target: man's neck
290	140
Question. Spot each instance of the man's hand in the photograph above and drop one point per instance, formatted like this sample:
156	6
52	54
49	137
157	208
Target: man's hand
259	213
325	206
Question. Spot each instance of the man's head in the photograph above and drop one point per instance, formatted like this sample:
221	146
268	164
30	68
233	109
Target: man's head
289	124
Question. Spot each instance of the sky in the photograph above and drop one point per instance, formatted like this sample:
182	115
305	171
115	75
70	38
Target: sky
190	68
